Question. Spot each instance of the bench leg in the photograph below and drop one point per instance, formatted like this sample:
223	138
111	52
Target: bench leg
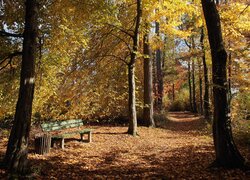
81	134
52	142
89	137
62	143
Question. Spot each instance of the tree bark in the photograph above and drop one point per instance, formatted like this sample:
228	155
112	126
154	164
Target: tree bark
227	154
148	84
159	73
17	150
190	86
154	83
229	76
193	86
206	105
131	72
200	88
131	101
173	92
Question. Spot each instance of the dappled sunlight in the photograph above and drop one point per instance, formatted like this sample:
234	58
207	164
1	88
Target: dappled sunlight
170	153
124	89
183	117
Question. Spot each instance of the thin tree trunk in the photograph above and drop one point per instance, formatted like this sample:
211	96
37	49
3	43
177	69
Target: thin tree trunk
200	88
132	129
229	75
206	104
190	86
173	92
131	101
227	154
148	84
17	150
154	84
193	85
159	71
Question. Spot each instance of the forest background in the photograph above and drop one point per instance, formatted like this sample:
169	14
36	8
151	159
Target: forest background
84	49
92	58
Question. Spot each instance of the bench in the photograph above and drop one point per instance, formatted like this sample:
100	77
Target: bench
56	126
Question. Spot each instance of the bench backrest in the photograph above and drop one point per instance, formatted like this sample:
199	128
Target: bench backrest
57	125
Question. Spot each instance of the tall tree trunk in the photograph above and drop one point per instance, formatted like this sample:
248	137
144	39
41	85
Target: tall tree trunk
200	87
131	101
148	84
154	83
159	71
132	129
190	86
193	85
229	75
227	154
173	92
206	104
17	150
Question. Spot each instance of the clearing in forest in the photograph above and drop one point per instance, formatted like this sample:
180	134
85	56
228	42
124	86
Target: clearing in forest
181	148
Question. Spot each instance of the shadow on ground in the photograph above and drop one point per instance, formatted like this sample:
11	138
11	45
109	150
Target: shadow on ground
188	162
151	156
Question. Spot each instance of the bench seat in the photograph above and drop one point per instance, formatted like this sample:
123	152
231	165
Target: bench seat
57	136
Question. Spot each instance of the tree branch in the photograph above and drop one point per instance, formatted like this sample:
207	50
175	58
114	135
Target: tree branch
244	9
4	34
188	45
122	30
122	40
10	58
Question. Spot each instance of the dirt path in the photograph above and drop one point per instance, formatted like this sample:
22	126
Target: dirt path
180	150
185	121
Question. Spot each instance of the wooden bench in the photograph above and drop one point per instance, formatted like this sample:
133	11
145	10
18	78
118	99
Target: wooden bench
56	126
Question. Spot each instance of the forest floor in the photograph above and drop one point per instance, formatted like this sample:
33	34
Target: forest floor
181	148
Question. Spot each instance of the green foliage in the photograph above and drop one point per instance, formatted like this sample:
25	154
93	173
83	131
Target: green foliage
241	106
181	102
82	73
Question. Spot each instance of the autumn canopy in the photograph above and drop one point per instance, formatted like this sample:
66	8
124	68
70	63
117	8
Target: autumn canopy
141	72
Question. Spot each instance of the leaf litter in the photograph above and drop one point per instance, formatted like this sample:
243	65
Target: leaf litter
183	149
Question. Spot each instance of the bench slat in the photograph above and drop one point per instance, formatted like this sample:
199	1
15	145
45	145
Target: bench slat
72	132
57	125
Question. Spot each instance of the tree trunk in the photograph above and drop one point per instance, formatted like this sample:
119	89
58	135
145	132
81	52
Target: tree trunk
193	85
131	72
227	154
200	88
206	105
229	76
159	72
17	149
154	83
173	92
148	84
190	86
131	101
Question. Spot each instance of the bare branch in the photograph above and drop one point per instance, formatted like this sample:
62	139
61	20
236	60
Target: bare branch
117	57
188	45
122	30
122	40
4	34
244	9
10	58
